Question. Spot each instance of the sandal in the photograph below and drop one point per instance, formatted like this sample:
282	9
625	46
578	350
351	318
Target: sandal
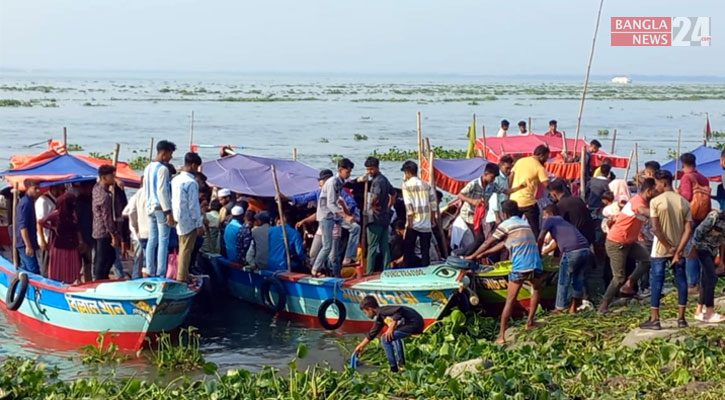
715	318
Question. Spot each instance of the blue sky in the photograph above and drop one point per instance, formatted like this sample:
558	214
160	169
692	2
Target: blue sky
373	36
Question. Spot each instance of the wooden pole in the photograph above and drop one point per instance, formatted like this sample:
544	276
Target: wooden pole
563	146
364	225
636	162
704	133
420	140
294	153
629	164
113	188
151	151
677	158
65	139
278	198
529	131
583	174
16	193
589	67
432	180
483	138
614	140
191	132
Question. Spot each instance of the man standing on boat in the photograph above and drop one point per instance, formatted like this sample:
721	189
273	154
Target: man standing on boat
43	207
329	214
503	131
552	129
105	229
522	128
527	175
186	212
378	216
158	206
26	229
420	202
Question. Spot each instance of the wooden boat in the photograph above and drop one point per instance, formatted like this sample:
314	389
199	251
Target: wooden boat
333	303
127	309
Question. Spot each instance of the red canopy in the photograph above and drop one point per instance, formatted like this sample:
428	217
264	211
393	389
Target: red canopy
524	145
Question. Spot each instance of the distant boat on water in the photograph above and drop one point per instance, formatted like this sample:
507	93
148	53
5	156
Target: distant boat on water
623	80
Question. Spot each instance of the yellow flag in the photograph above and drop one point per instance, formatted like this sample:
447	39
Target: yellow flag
471	152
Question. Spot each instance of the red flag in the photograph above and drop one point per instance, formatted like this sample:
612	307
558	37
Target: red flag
708	132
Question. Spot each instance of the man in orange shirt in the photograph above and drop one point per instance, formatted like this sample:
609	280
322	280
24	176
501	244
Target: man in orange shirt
622	242
552	129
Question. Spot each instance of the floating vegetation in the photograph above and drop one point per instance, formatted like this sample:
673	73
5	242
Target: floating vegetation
73	147
473	103
324	140
717	134
185	355
335	158
15	103
359	136
269	98
102	352
671	154
396	154
138	163
107	156
89	104
603	132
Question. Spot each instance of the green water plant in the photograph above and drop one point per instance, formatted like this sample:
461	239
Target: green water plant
360	136
103	352
73	147
396	154
138	163
182	355
603	132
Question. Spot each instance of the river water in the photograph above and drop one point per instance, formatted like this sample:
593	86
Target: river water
271	115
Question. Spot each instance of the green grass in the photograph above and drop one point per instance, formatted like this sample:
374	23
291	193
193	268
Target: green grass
183	355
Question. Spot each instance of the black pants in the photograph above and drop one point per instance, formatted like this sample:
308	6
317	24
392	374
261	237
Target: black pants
708	278
409	258
103	259
532	216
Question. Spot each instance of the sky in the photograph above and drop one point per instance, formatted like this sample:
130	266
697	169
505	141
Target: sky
465	37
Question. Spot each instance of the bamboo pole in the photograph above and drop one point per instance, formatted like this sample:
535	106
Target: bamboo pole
278	198
364	225
629	164
583	174
191	132
564	147
529	131
614	140
704	132
432	180
677	158
589	67
65	139
294	153
636	162
483	138
151	151
113	188
420	139
16	192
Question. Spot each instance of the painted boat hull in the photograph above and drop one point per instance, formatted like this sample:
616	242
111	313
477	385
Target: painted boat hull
491	288
128	310
426	290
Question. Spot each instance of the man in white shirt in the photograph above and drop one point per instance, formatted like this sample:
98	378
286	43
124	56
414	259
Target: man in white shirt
186	212
158	207
138	220
503	132
43	207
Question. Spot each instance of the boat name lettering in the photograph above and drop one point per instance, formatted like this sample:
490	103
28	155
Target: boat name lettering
90	306
404	273
494	283
404	297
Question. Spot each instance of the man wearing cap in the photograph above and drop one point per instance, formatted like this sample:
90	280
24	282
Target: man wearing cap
227	201
237	237
260	240
330	213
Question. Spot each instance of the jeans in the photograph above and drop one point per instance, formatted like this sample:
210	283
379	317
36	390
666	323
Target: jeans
572	267
378	238
353	229
28	263
43	258
532	214
158	244
618	254
118	263
708	279
326	226
103	258
138	258
409	258
657	280
394	349
692	266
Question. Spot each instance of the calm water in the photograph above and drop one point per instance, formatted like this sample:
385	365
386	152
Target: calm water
319	116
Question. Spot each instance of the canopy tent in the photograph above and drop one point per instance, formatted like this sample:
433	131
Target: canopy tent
453	175
524	145
708	163
66	168
252	175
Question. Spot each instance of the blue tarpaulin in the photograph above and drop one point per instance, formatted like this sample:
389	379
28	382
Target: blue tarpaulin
708	163
252	175
64	168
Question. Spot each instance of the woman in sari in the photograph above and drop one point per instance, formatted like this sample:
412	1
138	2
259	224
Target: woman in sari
65	260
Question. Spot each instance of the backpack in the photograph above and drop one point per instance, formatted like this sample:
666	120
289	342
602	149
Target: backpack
700	203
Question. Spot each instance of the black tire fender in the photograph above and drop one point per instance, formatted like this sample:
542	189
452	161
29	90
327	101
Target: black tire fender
322	314
13	302
265	290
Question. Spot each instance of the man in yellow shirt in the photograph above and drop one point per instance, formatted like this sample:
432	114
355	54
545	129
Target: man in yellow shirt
528	173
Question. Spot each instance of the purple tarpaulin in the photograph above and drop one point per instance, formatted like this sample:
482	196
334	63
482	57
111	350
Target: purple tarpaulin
252	175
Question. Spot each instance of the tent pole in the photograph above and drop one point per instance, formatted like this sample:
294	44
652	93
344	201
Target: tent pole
483	137
16	193
707	124
636	163
294	153
436	217
629	164
191	132
364	225
529	131
65	139
151	151
589	67
278	198
563	146
614	140
677	158
420	139
113	189
583	174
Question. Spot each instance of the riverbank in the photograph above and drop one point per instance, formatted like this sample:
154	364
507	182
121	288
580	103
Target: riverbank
569	356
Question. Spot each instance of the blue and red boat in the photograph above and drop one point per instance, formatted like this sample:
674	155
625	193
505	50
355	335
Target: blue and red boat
128	310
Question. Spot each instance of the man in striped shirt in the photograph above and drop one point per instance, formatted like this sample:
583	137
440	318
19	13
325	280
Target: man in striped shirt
420	208
157	184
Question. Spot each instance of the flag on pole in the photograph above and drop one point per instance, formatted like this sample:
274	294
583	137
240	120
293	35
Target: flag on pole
708	132
471	152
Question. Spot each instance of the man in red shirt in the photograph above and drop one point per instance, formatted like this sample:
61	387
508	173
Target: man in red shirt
552	129
690	174
622	242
